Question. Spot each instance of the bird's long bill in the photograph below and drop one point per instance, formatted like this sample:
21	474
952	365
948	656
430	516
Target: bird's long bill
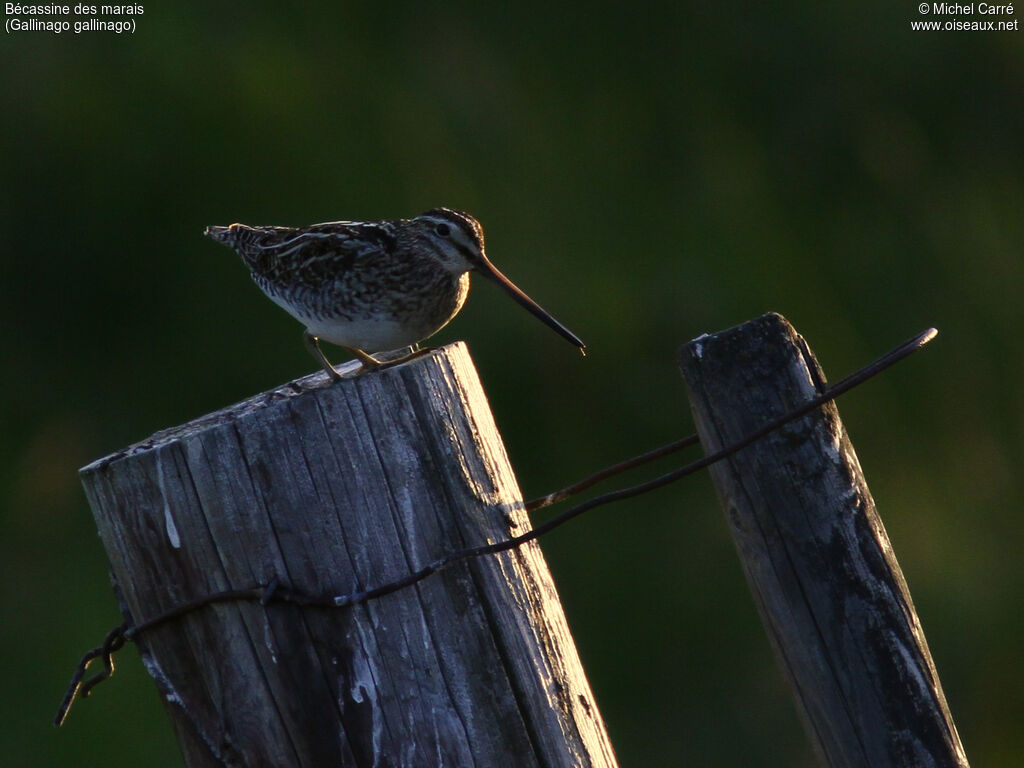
488	269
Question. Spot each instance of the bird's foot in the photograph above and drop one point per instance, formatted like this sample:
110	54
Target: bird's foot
416	352
313	345
369	363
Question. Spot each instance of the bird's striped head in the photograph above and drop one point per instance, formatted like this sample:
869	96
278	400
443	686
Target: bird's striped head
456	240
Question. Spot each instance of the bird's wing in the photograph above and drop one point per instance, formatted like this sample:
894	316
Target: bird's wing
306	254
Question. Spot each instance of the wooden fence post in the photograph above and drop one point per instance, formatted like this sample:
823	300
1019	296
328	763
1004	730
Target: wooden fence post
818	562
334	489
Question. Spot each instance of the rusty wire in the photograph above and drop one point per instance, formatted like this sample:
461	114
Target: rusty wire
276	592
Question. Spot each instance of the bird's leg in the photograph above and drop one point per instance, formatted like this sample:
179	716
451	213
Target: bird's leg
414	352
411	353
369	363
313	345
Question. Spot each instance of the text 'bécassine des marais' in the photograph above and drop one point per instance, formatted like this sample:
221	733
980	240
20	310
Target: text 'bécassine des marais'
16	9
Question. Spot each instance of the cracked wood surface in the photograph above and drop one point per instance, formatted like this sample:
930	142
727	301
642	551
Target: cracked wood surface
816	556
333	489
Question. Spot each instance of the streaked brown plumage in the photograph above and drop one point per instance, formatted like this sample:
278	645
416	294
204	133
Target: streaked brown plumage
372	286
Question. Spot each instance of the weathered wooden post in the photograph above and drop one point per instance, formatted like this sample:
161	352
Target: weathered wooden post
816	557
330	490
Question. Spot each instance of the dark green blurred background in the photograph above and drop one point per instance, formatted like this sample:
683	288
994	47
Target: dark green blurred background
648	172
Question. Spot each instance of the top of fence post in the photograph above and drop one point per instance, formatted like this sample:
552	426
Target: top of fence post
330	489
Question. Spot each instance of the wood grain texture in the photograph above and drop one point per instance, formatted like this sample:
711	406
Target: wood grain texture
333	489
816	556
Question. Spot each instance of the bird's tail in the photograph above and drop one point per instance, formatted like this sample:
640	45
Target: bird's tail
226	235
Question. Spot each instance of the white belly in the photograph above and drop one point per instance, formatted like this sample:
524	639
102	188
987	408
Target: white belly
373	334
384	326
369	335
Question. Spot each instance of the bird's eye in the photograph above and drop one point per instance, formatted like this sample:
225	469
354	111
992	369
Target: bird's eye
443	230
